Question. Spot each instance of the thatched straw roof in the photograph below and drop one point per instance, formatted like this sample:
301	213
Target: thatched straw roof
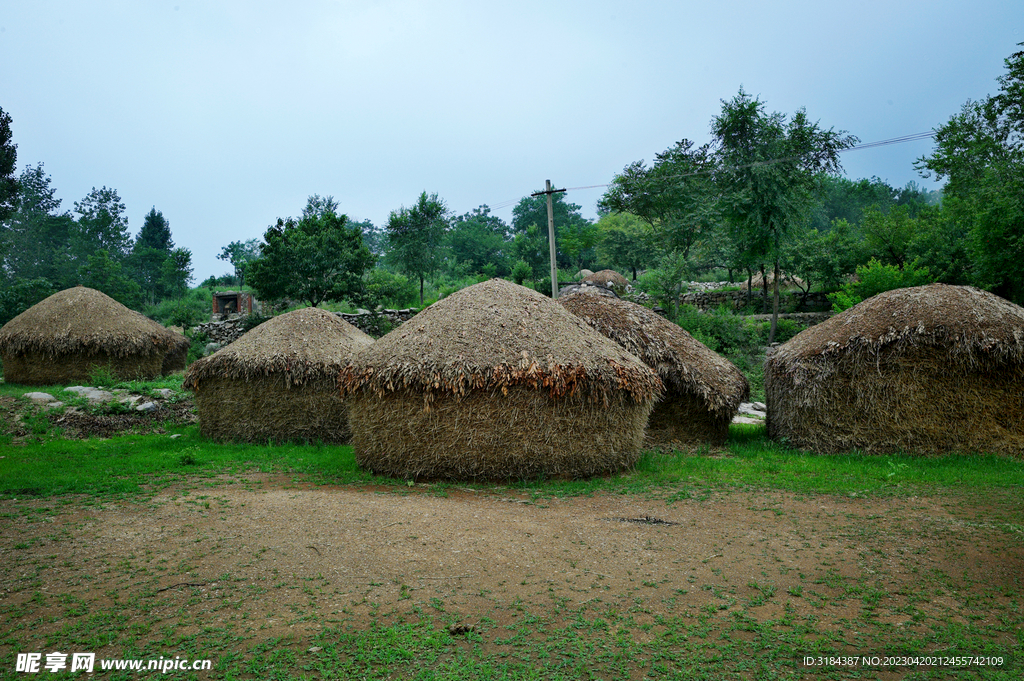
493	336
927	369
683	363
84	321
971	324
605	277
302	346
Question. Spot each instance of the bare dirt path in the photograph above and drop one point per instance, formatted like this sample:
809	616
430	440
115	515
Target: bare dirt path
266	559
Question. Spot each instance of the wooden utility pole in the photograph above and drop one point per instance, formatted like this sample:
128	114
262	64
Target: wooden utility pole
551	234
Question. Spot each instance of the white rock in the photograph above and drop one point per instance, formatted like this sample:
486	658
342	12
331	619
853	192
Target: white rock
164	392
95	396
39	398
78	389
146	406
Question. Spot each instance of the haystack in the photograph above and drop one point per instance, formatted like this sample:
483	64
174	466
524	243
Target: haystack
278	381
923	370
702	389
497	381
609	278
66	337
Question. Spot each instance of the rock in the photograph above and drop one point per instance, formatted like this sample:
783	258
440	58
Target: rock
146	407
94	395
587	288
165	393
751	409
131	400
760	406
211	348
78	389
55	405
40	398
746	419
176	436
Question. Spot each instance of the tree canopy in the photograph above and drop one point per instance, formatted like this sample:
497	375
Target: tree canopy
315	258
416	236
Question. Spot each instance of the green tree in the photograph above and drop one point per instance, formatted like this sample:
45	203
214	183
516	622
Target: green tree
416	237
315	258
101	225
575	236
34	242
877	277
676	196
176	272
769	172
101	272
480	239
150	250
240	254
980	154
626	241
8	164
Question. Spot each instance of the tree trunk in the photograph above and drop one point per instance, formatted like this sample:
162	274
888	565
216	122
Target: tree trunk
750	281
764	291
775	305
421	290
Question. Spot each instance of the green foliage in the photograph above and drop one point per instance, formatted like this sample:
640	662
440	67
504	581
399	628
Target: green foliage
875	278
104	274
888	236
664	283
8	163
240	254
190	309
521	271
313	259
20	294
980	154
480	240
416	237
198	344
624	240
101	225
574	234
823	259
387	289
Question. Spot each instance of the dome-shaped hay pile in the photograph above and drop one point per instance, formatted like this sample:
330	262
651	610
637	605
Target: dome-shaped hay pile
928	369
608	278
702	388
278	381
66	337
497	381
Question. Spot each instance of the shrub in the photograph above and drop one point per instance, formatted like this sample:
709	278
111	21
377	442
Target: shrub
388	289
521	271
877	278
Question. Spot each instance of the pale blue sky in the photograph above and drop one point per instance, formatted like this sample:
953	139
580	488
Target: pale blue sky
227	115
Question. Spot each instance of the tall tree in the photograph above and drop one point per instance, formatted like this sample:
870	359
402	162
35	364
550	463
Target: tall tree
575	236
416	236
626	241
34	242
480	240
8	163
102	225
150	251
769	170
240	254
980	152
315	258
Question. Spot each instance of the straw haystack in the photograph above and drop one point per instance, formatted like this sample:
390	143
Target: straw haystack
609	278
702	388
66	337
497	381
924	370
278	381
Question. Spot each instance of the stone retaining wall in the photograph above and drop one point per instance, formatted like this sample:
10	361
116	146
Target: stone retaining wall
230	330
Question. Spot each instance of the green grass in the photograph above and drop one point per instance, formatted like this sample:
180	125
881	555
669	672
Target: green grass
130	465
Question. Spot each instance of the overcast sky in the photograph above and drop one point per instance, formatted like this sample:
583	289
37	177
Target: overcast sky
227	115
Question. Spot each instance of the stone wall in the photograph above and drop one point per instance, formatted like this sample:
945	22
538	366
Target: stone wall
230	330
711	299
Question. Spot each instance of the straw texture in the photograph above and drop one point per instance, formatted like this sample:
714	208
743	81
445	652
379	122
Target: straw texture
497	381
928	369
702	389
278	381
605	277
65	337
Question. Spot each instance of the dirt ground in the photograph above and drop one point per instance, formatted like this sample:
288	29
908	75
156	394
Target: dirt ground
273	559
